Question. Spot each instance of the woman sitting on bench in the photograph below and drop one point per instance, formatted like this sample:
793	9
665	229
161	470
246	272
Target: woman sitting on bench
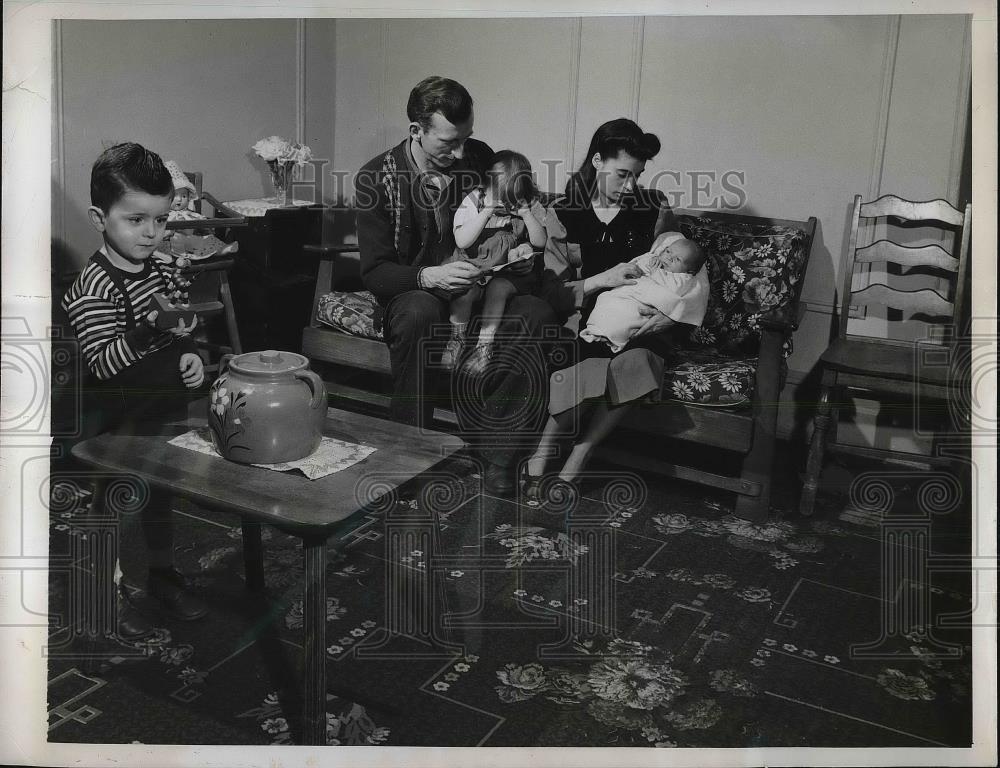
604	221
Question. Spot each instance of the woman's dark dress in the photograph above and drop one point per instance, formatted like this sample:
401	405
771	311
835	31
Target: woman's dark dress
637	370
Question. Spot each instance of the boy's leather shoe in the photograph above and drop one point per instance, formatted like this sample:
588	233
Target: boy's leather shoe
498	480
132	625
170	589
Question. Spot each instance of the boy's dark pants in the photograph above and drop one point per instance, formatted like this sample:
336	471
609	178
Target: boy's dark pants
142	399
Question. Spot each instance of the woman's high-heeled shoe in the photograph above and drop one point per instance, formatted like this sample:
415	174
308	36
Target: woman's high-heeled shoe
531	487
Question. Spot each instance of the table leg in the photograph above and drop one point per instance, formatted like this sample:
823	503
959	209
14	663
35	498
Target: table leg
253	556
314	619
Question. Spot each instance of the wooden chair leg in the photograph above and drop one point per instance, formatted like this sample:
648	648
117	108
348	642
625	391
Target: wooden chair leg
758	467
817	445
226	297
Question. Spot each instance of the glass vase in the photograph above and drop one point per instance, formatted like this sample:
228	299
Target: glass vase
281	177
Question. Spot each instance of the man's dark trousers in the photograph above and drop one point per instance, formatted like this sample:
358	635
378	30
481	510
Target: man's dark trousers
501	412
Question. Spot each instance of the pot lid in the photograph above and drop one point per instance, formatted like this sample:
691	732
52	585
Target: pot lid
269	362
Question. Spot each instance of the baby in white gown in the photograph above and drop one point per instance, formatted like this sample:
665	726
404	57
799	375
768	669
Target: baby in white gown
674	283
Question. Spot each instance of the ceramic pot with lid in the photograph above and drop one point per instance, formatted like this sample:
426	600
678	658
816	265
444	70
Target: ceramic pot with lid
266	407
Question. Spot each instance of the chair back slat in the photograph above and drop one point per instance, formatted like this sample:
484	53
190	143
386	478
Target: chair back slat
931	210
907	256
891	214
923	302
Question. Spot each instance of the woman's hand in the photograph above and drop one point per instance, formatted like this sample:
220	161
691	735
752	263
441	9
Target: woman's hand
620	274
656	322
192	370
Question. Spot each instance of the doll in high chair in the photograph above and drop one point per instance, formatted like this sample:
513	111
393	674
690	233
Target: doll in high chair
194	245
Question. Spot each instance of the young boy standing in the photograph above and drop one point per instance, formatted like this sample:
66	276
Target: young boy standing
149	369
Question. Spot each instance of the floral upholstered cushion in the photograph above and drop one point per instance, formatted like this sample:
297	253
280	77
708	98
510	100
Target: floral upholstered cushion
355	313
708	377
752	268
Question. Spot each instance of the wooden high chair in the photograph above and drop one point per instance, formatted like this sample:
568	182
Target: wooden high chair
213	296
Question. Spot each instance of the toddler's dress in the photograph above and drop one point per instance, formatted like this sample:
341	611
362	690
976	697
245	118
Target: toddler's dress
500	235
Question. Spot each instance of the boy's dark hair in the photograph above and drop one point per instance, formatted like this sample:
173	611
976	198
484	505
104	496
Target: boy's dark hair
127	166
438	94
509	173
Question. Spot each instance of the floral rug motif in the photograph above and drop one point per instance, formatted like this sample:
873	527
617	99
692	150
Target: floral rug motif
708	631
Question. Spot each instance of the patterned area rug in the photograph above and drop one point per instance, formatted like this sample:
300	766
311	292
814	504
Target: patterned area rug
660	620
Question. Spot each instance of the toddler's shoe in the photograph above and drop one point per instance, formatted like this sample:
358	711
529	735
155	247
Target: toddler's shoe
170	589
452	353
478	360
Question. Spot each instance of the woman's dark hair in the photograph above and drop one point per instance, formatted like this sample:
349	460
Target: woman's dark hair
127	166
509	174
611	139
438	94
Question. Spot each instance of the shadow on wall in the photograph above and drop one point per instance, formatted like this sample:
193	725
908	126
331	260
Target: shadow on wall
73	237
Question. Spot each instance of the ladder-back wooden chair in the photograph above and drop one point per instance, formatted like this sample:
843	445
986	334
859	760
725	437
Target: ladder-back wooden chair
888	367
211	294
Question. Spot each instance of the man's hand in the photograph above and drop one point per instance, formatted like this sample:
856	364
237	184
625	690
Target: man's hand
192	370
656	322
455	277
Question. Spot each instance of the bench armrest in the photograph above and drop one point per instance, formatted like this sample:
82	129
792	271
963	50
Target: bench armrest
785	319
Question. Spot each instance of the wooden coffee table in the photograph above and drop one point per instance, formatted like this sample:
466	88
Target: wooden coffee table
313	510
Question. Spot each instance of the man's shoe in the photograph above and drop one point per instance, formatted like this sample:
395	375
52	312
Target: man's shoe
498	480
170	589
132	625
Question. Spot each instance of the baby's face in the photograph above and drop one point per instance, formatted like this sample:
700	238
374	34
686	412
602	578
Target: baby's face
181	198
680	256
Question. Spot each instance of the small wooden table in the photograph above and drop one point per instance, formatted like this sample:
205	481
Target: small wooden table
313	510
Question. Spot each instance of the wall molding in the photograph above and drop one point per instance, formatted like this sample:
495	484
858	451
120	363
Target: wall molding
961	117
383	84
58	228
638	37
575	52
890	49
300	80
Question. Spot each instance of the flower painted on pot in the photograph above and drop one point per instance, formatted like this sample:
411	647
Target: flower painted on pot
520	682
220	398
903	686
